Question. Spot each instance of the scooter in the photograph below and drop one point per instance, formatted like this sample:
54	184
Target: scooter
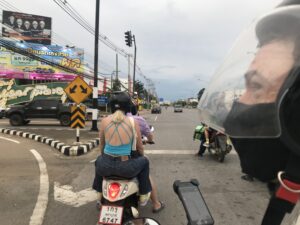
220	145
120	198
119	201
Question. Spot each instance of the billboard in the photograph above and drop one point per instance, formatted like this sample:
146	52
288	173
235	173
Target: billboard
11	93
26	27
14	65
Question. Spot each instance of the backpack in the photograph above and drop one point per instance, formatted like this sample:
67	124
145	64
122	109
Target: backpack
199	132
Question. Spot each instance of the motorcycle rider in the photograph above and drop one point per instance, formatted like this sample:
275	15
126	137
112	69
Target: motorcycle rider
146	131
119	135
144	126
204	139
261	82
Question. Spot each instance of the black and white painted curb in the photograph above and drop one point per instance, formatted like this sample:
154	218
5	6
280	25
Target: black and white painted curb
69	150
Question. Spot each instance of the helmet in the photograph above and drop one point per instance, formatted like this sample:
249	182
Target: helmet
251	95
120	100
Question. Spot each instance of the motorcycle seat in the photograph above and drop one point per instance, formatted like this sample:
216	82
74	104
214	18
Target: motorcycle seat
114	177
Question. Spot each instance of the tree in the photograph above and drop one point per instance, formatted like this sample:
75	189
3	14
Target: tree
116	85
139	87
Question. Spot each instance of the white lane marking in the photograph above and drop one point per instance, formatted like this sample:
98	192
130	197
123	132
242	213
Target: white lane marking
8	139
42	200
66	195
176	152
172	152
155	118
298	221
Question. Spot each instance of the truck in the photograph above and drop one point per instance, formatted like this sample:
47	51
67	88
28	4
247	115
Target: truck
19	115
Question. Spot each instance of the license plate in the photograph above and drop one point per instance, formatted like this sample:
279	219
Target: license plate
111	215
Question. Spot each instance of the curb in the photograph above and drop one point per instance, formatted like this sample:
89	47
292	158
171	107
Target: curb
69	150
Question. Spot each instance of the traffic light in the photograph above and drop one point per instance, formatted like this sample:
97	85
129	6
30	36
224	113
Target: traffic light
128	38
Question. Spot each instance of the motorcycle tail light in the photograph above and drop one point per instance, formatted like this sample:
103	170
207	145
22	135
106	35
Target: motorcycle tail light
113	190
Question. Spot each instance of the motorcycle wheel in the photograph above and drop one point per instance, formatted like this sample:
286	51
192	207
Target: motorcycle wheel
221	156
221	143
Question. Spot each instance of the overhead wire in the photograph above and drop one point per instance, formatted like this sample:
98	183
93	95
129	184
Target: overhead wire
71	11
8	6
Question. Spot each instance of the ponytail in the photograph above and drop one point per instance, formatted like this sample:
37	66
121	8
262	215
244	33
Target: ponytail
118	116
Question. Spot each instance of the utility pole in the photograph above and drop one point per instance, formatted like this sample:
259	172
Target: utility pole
117	65
111	81
134	64
129	80
95	89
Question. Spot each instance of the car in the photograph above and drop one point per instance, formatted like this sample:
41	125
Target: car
178	108
156	109
2	112
39	108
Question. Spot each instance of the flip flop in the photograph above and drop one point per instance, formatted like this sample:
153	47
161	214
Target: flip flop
162	206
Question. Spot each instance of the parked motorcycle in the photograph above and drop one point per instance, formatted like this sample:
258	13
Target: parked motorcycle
220	145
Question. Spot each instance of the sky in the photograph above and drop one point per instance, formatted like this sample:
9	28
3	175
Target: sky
180	43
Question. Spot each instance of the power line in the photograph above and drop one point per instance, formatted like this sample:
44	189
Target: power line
71	11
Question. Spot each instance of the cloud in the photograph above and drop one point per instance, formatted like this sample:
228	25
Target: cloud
176	39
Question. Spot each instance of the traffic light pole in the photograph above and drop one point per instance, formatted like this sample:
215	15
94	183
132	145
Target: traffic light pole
95	89
134	65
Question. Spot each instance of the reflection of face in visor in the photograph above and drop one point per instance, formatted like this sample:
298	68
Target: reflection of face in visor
255	112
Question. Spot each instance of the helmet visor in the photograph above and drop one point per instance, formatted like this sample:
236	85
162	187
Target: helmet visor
244	95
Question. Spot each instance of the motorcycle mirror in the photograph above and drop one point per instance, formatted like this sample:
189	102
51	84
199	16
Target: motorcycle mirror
141	221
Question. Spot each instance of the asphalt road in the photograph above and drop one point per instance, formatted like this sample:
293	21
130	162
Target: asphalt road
33	175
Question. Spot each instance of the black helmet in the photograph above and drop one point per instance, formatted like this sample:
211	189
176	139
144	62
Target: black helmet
120	100
252	93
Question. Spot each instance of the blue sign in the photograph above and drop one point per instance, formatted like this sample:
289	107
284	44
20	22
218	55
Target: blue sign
161	99
102	100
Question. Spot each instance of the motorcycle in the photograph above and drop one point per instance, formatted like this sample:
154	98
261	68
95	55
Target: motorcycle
120	198
220	145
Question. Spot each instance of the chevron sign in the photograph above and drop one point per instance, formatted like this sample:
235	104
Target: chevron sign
78	116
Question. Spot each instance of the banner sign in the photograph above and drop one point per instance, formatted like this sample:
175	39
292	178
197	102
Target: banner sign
12	63
10	93
26	27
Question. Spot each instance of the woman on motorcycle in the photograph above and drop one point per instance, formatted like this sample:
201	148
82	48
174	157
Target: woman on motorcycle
118	137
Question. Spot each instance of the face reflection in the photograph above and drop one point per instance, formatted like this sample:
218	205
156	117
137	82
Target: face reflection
12	19
267	72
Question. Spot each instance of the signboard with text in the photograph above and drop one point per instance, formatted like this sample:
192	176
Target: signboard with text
14	65
10	93
26	27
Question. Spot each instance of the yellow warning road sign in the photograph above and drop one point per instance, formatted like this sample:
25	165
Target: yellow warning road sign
78	90
78	116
